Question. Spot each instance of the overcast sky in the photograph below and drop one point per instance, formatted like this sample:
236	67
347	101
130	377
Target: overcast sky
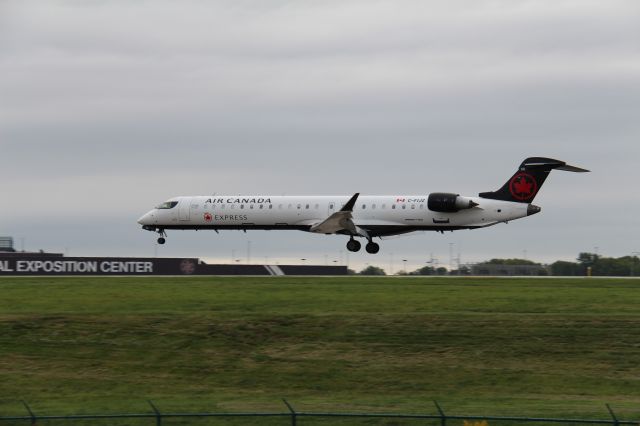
109	107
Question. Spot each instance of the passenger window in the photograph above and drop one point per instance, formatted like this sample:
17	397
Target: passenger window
413	206
241	206
331	206
364	206
270	206
421	206
299	205
393	206
251	206
261	206
307	207
373	206
404	206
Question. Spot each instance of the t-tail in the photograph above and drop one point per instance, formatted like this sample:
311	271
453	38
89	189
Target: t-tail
523	186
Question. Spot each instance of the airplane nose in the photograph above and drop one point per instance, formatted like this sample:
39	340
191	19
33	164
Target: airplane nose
146	219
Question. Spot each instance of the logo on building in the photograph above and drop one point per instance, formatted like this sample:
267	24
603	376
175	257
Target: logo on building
187	266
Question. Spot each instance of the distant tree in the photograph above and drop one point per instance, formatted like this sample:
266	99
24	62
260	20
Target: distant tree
588	259
351	271
609	266
441	271
372	270
634	265
600	266
563	268
514	261
464	270
425	270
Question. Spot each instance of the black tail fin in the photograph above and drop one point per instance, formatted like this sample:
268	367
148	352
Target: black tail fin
527	181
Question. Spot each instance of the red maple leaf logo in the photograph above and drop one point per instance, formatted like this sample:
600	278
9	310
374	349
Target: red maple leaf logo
523	186
208	217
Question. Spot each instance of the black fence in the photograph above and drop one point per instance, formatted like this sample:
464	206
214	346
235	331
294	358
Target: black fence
48	264
291	416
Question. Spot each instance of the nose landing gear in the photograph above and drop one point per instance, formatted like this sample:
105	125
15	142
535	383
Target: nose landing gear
163	234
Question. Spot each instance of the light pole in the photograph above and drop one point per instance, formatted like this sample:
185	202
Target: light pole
391	268
450	257
404	262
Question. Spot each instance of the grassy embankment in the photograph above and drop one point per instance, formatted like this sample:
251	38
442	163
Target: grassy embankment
551	347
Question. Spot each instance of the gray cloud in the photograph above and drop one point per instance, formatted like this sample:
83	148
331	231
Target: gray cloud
107	108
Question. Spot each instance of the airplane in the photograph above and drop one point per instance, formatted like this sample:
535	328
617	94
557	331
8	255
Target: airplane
358	216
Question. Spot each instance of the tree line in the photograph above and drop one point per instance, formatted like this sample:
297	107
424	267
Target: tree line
585	264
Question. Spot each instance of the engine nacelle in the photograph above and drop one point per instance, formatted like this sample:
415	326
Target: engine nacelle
445	202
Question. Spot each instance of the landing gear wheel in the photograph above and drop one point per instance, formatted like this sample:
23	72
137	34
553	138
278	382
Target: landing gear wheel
162	234
372	247
353	245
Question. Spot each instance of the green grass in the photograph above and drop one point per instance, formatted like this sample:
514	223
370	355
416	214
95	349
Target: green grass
540	347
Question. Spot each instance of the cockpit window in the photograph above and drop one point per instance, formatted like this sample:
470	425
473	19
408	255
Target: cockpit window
167	205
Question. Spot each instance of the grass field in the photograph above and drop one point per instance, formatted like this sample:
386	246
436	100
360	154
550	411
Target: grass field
552	347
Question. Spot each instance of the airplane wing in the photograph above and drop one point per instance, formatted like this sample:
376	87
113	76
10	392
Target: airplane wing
341	222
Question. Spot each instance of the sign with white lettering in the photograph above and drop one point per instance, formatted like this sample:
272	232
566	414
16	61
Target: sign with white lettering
54	265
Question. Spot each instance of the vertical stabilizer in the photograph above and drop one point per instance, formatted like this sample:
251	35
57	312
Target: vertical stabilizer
523	186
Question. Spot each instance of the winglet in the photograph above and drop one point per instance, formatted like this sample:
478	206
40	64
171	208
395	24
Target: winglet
350	204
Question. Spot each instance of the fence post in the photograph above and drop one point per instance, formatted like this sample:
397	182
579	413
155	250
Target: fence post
443	417
33	416
616	422
157	412
293	412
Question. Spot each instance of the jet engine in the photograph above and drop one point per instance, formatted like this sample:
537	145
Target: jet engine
445	202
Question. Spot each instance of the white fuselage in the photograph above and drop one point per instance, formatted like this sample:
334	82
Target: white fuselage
380	215
359	216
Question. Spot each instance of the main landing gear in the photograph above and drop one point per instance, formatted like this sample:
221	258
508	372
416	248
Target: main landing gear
354	245
372	247
163	234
